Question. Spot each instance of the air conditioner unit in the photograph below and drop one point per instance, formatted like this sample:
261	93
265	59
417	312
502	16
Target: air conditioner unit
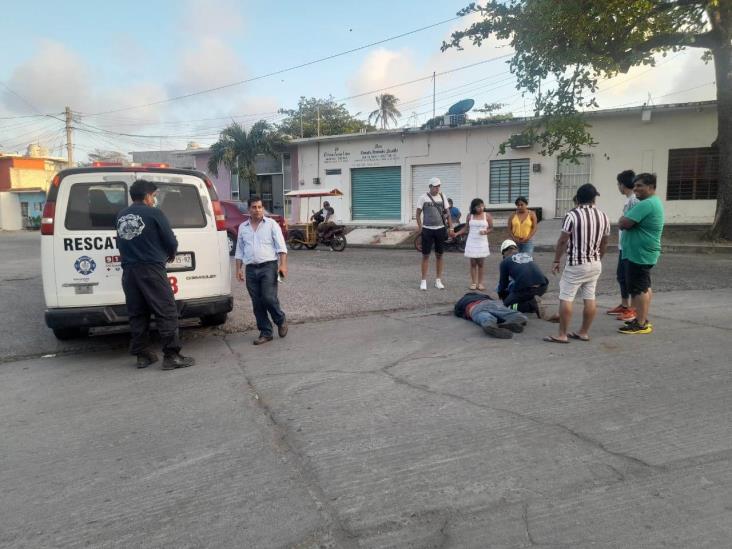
519	141
454	120
316	181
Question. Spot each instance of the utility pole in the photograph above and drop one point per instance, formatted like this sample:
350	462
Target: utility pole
69	144
318	121
302	132
434	89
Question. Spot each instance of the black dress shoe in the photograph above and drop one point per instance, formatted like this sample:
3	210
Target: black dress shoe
282	329
261	340
145	358
171	362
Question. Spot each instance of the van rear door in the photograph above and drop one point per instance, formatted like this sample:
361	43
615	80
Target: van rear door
84	250
202	265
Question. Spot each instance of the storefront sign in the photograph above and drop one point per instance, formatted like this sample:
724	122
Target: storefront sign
377	155
336	156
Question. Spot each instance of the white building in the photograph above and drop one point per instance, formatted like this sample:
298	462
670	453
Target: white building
383	173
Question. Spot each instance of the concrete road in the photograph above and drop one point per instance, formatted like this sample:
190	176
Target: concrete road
321	285
400	429
380	421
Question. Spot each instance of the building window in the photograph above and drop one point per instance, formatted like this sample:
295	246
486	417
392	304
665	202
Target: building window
336	171
509	179
693	174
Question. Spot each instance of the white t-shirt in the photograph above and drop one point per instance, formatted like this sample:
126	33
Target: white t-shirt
432	217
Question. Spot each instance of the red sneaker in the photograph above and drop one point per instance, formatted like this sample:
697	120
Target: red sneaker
617	310
627	315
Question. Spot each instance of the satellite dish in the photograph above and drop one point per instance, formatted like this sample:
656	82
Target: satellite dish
461	107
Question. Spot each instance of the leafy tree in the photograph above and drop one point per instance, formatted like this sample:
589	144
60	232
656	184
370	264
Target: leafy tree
491	114
387	110
238	148
102	155
334	119
563	49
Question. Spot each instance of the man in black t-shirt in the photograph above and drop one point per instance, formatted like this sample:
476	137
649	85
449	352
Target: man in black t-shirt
146	242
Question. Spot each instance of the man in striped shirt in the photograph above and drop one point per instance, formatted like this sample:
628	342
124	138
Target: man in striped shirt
584	238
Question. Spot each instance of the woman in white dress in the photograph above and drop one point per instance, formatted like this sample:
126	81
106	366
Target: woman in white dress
478	225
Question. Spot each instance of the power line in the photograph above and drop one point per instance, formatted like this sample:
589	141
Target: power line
281	71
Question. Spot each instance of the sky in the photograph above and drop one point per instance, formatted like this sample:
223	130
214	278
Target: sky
97	57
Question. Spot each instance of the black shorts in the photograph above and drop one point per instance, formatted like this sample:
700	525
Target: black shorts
637	277
436	237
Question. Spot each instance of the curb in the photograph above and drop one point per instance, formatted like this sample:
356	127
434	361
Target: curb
702	249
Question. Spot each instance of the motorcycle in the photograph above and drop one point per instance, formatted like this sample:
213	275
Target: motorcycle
452	244
334	236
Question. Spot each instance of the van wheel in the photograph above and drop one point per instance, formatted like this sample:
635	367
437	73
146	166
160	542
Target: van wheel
232	244
214	320
70	333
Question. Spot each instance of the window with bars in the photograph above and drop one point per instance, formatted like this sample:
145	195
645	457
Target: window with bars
693	174
509	179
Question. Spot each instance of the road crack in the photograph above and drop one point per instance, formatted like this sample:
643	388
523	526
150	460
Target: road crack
342	535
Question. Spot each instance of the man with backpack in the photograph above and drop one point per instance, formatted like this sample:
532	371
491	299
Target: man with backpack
433	221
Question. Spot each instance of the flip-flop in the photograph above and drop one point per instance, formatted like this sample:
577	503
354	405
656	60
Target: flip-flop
552	339
473	287
575	335
481	287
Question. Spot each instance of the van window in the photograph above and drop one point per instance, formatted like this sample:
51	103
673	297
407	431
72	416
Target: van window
181	204
94	206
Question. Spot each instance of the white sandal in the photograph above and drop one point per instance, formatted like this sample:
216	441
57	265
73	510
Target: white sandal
473	286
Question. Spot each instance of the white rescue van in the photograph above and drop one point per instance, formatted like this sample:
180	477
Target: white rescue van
82	274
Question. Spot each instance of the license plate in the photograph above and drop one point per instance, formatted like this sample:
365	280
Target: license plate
183	261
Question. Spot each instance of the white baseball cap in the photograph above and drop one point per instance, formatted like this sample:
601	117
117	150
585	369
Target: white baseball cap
506	244
435	182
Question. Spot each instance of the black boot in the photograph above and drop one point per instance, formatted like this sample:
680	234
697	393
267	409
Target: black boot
145	358
176	360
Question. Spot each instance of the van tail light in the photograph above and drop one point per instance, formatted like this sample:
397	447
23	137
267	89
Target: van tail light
49	213
219	215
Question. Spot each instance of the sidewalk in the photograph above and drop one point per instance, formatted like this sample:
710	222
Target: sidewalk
545	240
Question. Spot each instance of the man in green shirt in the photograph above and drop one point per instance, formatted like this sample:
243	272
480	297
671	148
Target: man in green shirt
642	226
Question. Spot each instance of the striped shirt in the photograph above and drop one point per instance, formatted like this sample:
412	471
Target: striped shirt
586	227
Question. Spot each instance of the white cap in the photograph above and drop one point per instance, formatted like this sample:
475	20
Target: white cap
435	182
506	244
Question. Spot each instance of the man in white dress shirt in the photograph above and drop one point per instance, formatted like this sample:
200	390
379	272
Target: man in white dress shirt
262	249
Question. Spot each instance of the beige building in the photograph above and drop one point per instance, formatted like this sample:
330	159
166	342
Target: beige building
382	174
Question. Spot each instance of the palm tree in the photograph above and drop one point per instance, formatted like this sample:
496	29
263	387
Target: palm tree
237	149
387	110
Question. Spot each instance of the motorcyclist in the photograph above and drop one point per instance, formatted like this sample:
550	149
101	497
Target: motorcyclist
324	219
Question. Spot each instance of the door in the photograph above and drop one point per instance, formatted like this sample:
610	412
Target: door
451	184
570	176
376	194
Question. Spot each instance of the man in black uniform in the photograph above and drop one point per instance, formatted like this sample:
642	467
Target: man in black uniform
521	281
146	242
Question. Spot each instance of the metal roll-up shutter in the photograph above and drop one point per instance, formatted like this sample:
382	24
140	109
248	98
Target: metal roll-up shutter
451	183
376	194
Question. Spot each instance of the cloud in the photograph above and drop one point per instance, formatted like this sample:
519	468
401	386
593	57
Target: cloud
679	77
211	17
53	77
208	64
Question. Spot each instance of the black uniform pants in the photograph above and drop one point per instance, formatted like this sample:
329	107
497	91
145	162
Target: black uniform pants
262	287
147	290
524	298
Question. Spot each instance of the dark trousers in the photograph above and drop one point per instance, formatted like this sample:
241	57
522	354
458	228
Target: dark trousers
147	291
524	299
621	276
262	288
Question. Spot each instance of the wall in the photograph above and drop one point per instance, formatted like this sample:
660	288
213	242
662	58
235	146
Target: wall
175	159
10	219
624	142
222	182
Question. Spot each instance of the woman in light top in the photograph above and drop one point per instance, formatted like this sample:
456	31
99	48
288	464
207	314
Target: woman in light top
522	225
478	224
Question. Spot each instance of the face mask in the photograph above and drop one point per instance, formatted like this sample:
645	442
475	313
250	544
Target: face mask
155	202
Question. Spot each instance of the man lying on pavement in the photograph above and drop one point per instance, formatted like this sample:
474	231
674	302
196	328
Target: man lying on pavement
494	317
